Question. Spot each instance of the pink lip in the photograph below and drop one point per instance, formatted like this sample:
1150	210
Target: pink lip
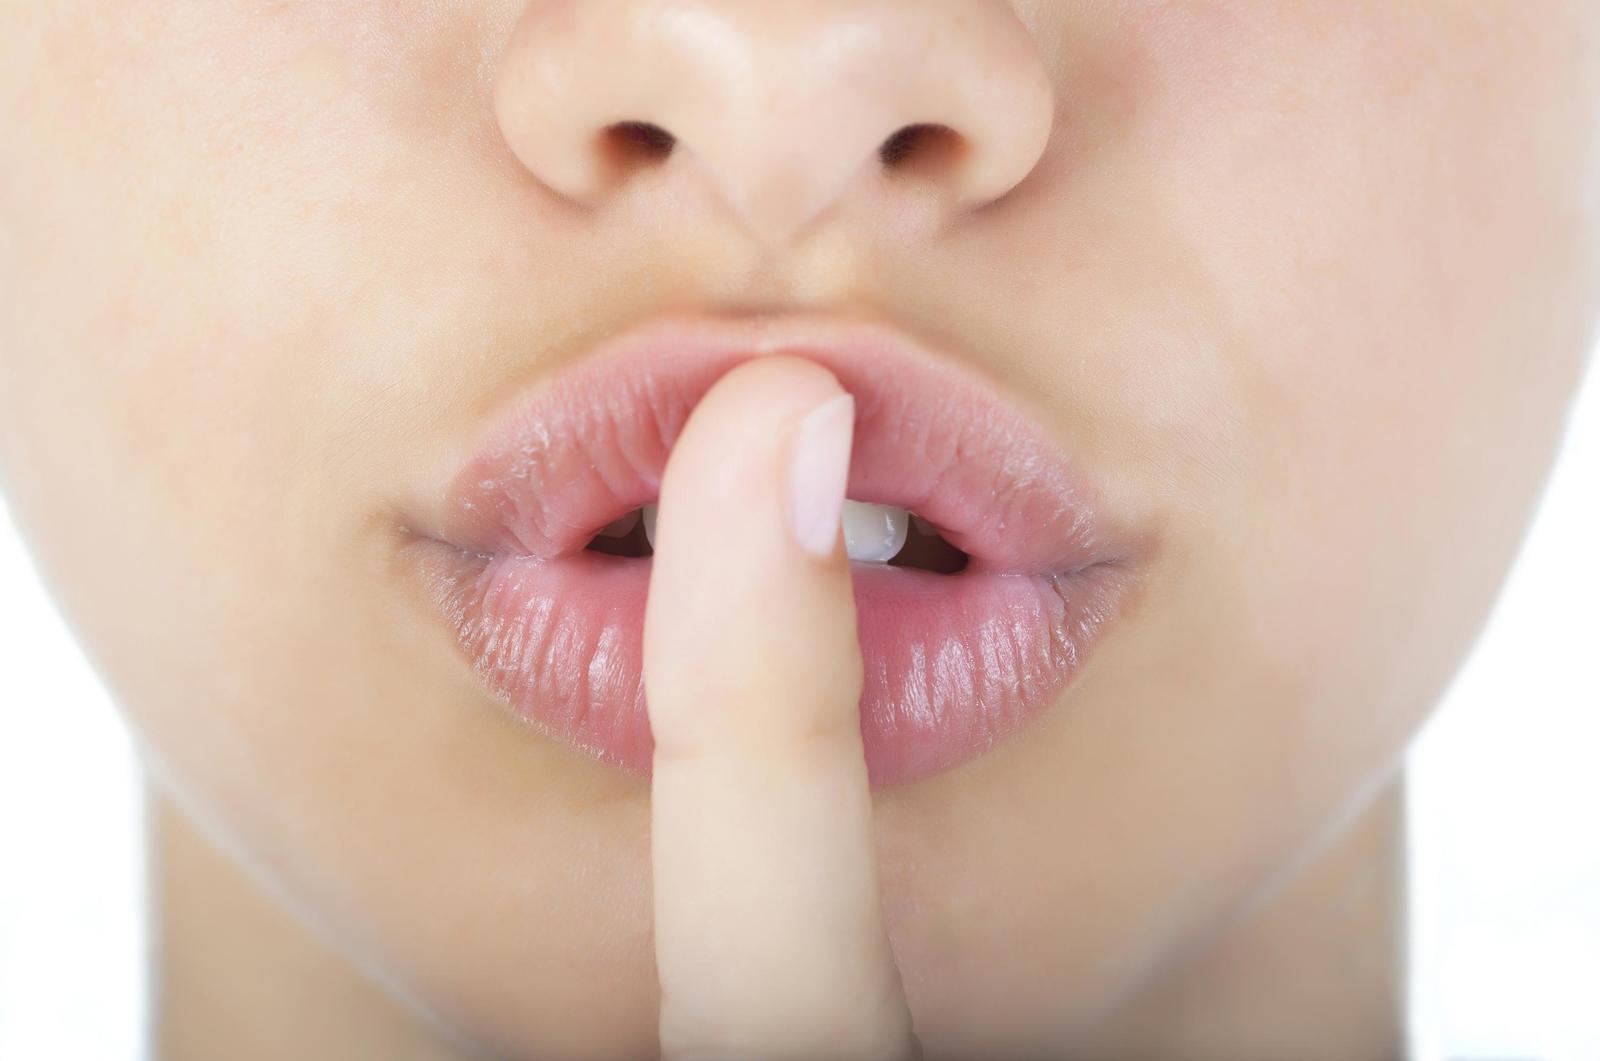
953	662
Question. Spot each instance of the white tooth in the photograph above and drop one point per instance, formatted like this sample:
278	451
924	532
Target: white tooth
621	528
874	534
649	515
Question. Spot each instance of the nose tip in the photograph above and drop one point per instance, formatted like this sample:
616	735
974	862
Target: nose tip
780	105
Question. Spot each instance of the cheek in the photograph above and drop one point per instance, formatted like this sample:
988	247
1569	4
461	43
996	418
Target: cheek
206	346
1400	276
191	446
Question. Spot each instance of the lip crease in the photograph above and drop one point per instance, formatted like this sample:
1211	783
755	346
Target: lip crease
953	663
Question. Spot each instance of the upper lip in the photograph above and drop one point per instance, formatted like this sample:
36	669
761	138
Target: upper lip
933	437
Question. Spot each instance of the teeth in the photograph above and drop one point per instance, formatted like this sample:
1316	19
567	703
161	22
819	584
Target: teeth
874	534
622	527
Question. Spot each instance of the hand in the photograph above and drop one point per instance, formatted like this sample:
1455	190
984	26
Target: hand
769	934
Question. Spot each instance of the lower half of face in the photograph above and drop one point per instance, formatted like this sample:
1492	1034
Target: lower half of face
1303	290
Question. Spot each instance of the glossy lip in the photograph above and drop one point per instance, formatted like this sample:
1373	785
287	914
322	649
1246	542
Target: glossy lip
952	662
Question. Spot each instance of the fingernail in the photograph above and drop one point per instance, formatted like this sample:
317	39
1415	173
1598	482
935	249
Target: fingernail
819	472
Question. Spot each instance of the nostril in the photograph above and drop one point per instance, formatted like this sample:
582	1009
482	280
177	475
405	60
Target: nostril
629	146
925	147
941	107
644	137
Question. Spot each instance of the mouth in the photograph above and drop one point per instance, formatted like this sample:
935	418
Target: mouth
984	569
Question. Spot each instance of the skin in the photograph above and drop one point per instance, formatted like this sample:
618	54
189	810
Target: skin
769	933
1308	286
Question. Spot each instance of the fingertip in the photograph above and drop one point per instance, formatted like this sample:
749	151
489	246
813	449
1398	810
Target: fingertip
818	474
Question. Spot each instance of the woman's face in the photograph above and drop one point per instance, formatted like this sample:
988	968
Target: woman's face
1302	287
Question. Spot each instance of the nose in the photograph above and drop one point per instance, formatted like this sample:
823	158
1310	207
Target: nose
781	105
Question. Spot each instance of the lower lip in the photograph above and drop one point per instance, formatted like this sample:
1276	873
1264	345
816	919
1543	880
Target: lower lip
952	663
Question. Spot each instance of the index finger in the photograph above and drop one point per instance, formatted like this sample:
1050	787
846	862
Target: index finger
769	932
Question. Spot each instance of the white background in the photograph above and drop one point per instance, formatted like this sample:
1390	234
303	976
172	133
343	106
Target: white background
1505	819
